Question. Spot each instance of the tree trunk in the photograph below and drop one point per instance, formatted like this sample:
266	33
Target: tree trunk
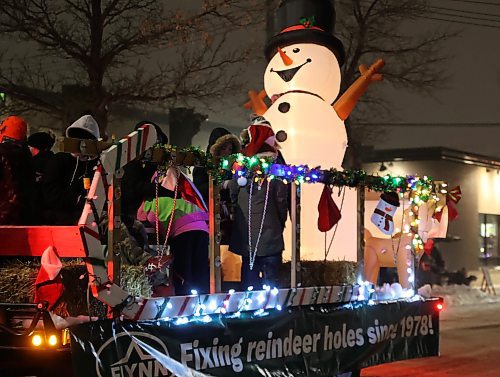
184	124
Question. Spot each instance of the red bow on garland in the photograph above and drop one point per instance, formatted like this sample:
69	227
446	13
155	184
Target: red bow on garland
452	198
454	195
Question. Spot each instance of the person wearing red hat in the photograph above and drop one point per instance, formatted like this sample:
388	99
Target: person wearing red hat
259	138
17	177
13	128
260	212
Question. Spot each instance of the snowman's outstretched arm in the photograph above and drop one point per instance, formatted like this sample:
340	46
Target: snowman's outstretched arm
256	103
345	104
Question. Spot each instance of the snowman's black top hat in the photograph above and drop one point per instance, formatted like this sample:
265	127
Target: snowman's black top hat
305	21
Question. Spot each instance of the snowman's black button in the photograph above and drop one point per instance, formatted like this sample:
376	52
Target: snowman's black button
284	107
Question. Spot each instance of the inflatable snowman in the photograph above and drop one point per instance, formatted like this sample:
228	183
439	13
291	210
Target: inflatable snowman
303	79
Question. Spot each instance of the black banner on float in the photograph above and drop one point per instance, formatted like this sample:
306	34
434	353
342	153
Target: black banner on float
301	341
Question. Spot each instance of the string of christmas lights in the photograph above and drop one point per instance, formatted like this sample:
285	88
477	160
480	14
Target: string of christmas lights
263	167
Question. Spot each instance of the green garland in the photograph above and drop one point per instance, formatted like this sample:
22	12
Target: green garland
259	167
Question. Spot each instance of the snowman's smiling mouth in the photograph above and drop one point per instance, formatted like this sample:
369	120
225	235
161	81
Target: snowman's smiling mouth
287	74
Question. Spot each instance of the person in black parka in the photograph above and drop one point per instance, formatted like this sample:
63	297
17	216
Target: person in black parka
63	190
17	176
260	213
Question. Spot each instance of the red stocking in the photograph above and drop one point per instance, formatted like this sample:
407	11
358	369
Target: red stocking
48	284
329	213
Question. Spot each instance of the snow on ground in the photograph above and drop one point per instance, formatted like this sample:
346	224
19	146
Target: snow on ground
453	295
461	295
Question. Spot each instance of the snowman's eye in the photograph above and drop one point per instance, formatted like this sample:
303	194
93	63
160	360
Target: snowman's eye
296	50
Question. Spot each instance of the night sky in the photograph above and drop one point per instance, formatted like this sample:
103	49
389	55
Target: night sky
470	99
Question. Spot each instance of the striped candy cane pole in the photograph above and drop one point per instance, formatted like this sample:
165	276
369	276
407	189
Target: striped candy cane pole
112	160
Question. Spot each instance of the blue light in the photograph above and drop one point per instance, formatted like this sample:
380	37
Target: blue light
261	298
181	321
206	319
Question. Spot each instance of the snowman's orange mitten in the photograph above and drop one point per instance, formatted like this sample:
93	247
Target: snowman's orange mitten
256	103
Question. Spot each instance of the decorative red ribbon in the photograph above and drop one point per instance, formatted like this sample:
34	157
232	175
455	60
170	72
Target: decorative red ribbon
452	198
454	195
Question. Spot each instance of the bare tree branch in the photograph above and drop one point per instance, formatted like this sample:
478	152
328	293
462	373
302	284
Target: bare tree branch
374	29
100	52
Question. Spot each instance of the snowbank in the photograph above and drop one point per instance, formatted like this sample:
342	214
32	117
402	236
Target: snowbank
461	295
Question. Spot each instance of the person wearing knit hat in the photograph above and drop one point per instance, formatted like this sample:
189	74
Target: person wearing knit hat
63	189
17	177
41	141
13	128
40	145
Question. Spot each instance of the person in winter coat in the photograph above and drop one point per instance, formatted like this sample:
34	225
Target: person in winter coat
40	145
63	189
17	176
200	174
136	186
222	143
183	222
260	215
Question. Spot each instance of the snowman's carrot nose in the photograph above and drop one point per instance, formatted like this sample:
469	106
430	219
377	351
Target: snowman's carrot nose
286	59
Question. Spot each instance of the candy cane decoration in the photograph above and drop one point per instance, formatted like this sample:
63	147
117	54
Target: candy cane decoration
111	160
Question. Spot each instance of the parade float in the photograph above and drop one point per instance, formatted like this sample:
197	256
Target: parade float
320	330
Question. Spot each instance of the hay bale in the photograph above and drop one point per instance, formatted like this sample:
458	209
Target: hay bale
18	276
318	273
135	282
17	279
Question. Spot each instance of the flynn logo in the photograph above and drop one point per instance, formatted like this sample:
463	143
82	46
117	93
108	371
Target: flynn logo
130	354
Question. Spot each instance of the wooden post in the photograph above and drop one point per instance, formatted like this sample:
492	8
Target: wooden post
114	224
215	235
295	277
487	283
361	225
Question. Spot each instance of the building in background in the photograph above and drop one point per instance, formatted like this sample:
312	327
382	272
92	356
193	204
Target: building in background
473	238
